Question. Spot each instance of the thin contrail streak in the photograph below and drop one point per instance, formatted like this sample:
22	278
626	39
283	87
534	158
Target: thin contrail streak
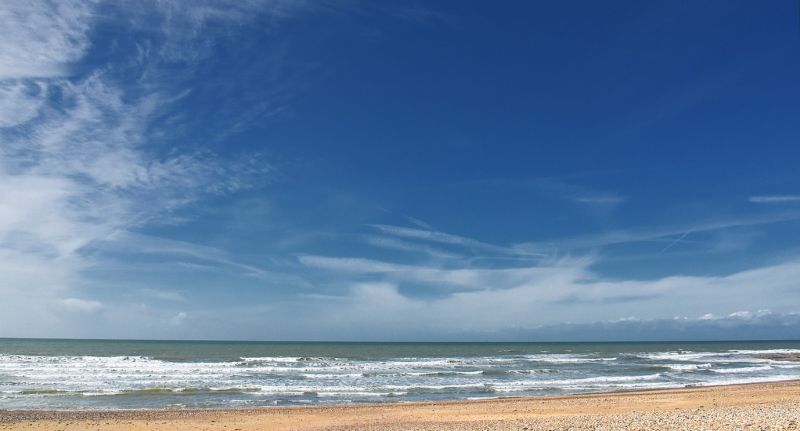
669	246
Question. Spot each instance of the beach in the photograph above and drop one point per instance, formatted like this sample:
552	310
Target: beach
751	406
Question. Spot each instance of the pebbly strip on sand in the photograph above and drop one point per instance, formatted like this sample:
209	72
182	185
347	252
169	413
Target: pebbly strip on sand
763	406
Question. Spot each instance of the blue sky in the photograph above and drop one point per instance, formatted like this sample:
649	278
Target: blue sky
442	170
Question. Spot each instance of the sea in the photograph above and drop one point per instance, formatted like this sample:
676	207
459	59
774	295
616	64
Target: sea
116	374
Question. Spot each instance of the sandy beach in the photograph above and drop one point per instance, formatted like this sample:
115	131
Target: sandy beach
753	406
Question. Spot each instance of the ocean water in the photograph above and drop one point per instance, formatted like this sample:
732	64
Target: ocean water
176	374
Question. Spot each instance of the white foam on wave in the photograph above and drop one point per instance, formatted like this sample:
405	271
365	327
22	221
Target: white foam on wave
278	359
681	356
333	376
581	384
568	359
301	378
287	359
765	351
713	357
111	374
784	364
688	367
739	370
745	380
566	383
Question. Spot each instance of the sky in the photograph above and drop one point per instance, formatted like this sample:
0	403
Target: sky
401	170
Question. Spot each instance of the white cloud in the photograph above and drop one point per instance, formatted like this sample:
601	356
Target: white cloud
601	199
446	238
502	300
186	22
420	223
741	325
655	234
560	189
20	101
774	199
163	295
81	305
463	278
179	318
78	175
77	165
464	295
121	241
407	246
42	39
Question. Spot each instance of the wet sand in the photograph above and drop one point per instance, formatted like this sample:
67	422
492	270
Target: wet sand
753	406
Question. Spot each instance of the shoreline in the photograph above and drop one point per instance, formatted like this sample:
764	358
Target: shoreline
773	404
211	410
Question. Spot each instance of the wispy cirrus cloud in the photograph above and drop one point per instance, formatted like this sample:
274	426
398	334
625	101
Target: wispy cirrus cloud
391	243
93	151
453	278
500	303
20	101
463	297
774	199
448	239
80	163
557	188
43	39
664	234
600	199
213	258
